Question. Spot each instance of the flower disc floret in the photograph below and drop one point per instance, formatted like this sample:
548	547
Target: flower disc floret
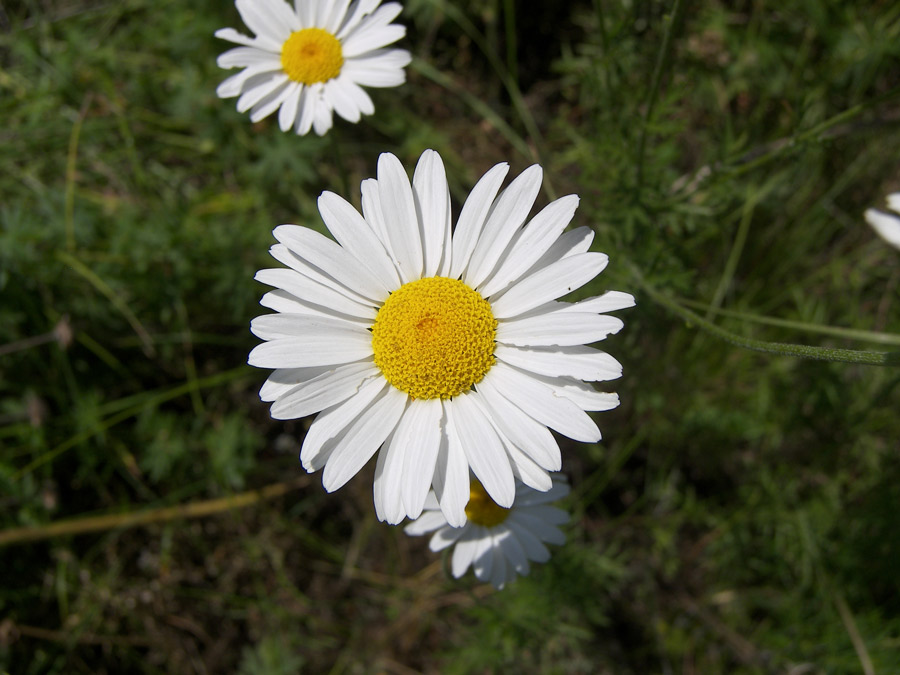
481	509
434	338
312	55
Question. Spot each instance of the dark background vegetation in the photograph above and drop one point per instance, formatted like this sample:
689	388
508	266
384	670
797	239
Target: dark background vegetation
740	515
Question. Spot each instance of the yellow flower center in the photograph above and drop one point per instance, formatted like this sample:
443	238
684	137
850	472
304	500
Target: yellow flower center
481	509
434	338
312	55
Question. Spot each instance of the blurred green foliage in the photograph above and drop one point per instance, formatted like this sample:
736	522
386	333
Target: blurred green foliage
741	513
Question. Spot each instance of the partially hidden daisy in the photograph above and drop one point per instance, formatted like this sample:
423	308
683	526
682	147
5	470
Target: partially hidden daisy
443	350
887	225
497	543
312	59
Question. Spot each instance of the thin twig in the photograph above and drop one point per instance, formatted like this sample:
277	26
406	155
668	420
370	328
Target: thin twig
111	521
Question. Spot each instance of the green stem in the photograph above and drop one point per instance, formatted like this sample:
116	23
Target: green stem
71	158
509	25
781	348
672	21
834	331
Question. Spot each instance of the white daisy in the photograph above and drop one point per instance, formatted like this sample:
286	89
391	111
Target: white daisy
311	60
445	349
887	225
497	542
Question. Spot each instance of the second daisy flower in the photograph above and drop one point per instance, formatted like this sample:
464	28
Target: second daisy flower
312	59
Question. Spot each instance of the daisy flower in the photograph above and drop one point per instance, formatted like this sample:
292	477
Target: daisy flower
498	543
440	350
312	59
887	225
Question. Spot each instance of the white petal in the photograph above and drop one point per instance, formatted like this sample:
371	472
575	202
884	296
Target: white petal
383	68
282	380
557	328
445	537
332	259
536	526
323	391
569	243
539	401
531	544
432	197
282	301
234	85
282	325
608	302
419	431
355	235
427	522
483	561
371	209
551	515
361	100
331	422
306	111
483	449
580	362
893	202
363	437
465	550
525	469
241	57
532	497
506	217
360	44
341	100
269	85
471	218
323	344
306	12
322	118
531	243
374	31
399	210
388	474
529	435
269	45
887	226
357	12
451	475
284	255
271	19
549	283
371	38
513	551
335	15
581	394
287	115
270	103
310	291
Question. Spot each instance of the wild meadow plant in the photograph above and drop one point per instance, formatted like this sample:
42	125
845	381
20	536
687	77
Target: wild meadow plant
739	514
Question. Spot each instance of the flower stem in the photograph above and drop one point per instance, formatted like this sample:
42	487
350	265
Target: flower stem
864	357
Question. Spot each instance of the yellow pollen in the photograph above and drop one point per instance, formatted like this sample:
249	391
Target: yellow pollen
481	509
434	338
312	55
